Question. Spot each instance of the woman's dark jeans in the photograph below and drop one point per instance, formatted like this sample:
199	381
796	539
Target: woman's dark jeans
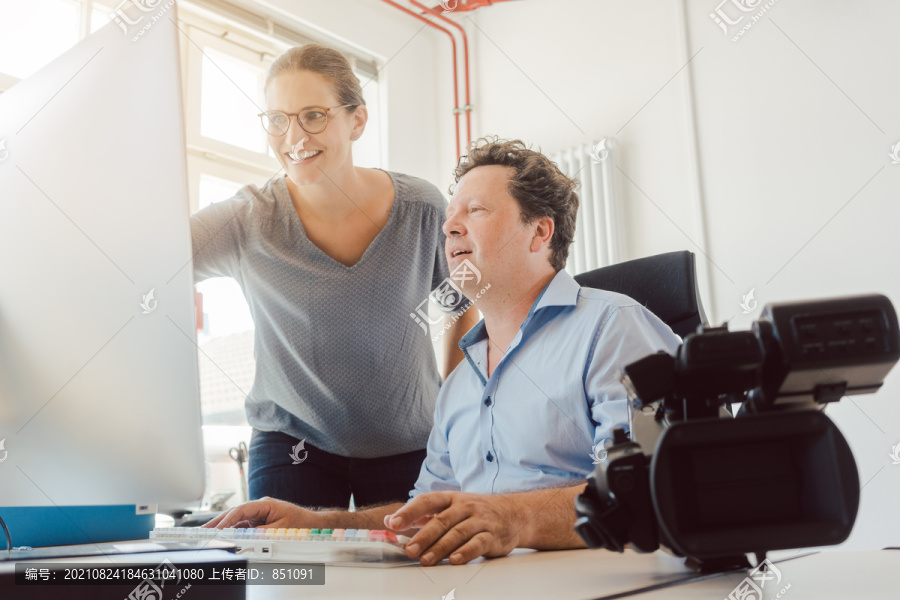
327	480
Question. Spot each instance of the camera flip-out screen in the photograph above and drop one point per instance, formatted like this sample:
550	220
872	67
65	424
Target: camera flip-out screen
785	480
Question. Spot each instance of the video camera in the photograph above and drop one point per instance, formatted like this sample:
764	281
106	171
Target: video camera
779	475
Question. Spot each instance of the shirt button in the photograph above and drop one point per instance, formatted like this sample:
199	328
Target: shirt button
487	402
490	457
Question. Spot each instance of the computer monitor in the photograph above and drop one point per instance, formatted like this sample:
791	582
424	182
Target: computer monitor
99	394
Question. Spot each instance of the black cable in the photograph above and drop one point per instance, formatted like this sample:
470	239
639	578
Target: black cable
689	579
659	586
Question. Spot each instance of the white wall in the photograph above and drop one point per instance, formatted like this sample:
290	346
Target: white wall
580	70
783	147
794	120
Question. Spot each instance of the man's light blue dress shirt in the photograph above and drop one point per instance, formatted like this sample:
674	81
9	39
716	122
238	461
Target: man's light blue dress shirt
553	396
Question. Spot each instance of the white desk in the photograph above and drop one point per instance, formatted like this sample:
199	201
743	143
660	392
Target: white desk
823	576
523	574
577	575
589	574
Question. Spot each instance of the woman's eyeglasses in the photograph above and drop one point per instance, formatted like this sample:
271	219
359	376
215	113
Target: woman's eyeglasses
311	120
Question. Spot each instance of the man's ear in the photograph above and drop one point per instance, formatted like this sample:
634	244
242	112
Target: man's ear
543	232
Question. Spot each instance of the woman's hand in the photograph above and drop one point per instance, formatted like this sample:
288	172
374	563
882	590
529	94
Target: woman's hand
266	512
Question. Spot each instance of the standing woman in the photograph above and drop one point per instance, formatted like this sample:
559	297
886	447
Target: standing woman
332	259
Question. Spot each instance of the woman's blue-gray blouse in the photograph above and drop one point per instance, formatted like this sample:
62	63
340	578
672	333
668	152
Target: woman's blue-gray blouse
340	361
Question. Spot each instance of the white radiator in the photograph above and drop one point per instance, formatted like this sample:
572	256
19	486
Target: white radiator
597	230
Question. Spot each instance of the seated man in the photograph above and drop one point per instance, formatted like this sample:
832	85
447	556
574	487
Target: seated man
515	423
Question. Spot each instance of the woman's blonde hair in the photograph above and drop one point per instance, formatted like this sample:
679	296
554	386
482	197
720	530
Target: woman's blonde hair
328	63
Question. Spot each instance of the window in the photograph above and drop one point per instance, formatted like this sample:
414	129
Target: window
224	310
34	33
367	150
99	17
229	101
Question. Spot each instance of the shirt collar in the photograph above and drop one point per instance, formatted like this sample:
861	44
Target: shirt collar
561	291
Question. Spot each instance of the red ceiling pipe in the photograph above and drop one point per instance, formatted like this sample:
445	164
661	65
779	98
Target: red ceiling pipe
468	106
453	42
466	5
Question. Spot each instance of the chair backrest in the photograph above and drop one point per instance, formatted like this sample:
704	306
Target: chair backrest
666	284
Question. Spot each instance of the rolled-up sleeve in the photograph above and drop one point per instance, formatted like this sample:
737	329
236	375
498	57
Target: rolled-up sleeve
215	238
628	334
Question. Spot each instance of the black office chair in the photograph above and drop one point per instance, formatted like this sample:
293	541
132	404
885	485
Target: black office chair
666	284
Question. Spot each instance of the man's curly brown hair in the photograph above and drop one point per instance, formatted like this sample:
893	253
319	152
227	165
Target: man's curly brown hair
537	184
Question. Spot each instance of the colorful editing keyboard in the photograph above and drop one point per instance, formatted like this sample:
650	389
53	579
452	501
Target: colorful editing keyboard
345	547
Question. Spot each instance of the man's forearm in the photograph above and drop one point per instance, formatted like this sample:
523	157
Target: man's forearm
548	518
366	518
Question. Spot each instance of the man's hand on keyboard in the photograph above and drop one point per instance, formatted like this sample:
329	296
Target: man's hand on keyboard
462	526
265	512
